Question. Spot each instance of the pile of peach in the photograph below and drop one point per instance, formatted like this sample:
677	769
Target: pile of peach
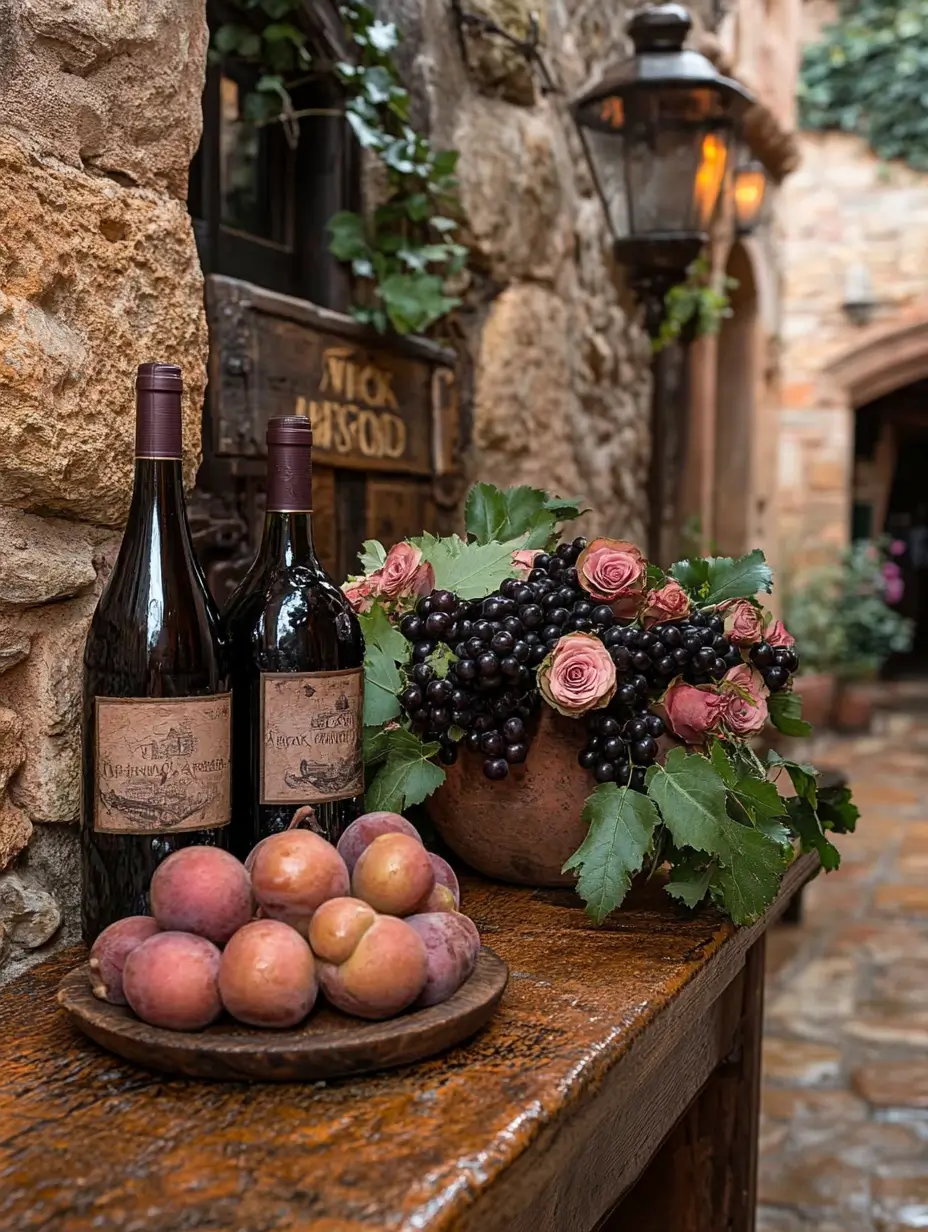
373	922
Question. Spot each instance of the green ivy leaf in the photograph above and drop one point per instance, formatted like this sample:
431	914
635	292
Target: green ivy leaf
372	555
691	798
785	710
470	570
689	881
747	879
407	777
622	824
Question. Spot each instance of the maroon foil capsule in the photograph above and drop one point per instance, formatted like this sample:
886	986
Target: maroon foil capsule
289	465
158	424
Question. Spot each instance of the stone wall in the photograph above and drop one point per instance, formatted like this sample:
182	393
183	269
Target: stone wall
99	118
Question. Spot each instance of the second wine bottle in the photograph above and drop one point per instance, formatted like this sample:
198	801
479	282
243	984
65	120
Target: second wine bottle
297	666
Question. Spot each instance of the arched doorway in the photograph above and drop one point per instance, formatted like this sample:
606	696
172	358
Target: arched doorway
737	503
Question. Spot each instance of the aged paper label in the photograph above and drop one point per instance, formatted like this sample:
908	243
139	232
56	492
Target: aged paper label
311	736
163	764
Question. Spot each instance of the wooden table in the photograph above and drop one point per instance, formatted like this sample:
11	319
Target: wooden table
616	1089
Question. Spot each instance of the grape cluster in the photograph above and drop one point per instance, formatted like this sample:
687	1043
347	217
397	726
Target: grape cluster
775	664
622	743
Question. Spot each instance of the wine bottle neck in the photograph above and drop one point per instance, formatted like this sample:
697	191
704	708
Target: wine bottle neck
159	488
287	539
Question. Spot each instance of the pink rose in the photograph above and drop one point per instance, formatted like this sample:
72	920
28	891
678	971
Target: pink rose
613	571
778	636
693	712
670	602
743	622
578	675
402	573
359	593
745	696
897	547
523	561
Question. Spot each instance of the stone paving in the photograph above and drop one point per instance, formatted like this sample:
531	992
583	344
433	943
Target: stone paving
844	1134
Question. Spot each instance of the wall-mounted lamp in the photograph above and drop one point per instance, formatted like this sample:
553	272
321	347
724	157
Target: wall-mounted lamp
751	197
860	303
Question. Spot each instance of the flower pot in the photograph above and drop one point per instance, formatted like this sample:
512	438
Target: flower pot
817	691
523	828
853	709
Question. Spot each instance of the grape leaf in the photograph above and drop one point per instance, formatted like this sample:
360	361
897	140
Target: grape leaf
566	508
689	883
384	647
622	824
803	777
378	632
692	574
691	798
470	570
376	745
440	660
785	710
485	513
721	764
806	823
760	798
494	514
836	809
408	775
748	876
542	531
740	578
372	555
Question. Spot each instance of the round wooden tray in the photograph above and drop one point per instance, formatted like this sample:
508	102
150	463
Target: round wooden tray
328	1045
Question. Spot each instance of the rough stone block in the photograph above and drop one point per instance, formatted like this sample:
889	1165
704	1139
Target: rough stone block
15	832
11	745
42	559
28	913
96	279
114	88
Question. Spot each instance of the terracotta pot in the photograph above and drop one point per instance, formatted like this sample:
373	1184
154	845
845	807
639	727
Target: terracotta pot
523	828
853	710
817	691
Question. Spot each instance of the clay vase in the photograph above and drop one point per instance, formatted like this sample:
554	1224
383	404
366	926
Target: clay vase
817	691
853	710
523	828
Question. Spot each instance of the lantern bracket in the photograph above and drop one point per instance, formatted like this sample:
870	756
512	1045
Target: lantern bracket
529	48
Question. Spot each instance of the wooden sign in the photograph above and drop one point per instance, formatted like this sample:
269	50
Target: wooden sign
375	404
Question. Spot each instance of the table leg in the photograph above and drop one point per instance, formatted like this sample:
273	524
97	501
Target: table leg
704	1177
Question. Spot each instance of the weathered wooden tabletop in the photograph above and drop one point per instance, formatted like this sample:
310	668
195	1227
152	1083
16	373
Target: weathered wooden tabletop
540	1122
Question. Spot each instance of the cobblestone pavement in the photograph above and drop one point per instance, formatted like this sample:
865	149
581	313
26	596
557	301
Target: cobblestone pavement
844	1133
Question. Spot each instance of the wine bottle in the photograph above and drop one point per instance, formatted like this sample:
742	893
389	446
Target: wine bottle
296	656
156	704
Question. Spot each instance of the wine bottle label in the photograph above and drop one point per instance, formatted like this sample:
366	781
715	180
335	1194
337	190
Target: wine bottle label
311	736
163	764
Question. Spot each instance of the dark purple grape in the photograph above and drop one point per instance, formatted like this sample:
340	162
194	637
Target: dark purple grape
448	754
657	651
496	767
704	658
439	692
641	661
721	646
492	743
465	629
443	601
514	730
465	669
637	780
587	758
510	666
473	741
491	608
762	655
609	726
655	725
698	619
636	728
521	652
671	636
460	698
461	650
602	615
557	564
483	723
681	656
626	694
513	625
604	772
582	608
437	624
421	651
715	623
613	636
424	606
538	655
524	594
487	665
621	657
718	669
475	646
516	753
579	543
551	633
640	684
411	626
775	678
538	575
613	747
440	717
543	561
580	624
508	588
666	665
567	596
483	630
502	642
644	750
422	715
422	673
411	698
532	616
460	718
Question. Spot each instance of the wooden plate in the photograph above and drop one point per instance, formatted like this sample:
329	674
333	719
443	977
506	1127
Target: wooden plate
328	1045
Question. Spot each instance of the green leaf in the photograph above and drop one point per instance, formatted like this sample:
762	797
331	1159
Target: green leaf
806	824
348	241
622	824
785	710
382	685
485	512
380	633
748	877
689	881
440	660
408	775
743	578
566	508
760	798
803	776
376	745
372	555
721	764
495	514
470	570
691	798
836	809
692	575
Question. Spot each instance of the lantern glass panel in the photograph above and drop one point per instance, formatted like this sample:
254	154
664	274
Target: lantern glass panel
750	191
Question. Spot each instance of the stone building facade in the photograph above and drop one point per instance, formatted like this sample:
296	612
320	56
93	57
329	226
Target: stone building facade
852	224
99	119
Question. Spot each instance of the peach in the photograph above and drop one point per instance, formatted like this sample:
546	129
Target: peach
294	873
394	874
338	926
384	973
267	976
110	951
202	890
172	980
362	832
452	944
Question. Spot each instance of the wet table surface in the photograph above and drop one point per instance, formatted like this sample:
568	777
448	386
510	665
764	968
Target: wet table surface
542	1121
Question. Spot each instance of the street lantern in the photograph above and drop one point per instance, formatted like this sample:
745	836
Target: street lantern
750	196
660	131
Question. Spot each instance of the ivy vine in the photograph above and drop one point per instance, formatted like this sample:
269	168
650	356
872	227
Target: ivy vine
403	252
698	305
867	76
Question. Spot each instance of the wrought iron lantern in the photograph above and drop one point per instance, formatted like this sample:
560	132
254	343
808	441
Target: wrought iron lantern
751	197
660	132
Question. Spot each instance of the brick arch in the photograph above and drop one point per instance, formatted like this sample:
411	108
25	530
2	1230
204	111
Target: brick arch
885	358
